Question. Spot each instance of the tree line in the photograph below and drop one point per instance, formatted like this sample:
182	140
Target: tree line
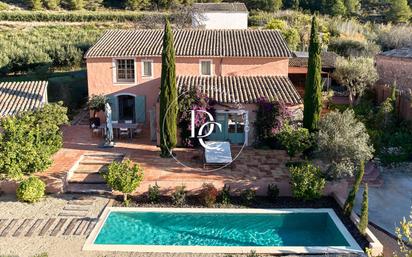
392	10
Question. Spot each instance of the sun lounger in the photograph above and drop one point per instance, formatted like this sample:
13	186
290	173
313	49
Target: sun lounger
217	154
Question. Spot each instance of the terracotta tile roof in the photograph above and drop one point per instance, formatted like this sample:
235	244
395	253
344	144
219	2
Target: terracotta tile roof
405	52
301	59
16	97
242	89
192	42
220	7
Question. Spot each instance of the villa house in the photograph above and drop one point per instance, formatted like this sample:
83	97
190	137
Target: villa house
233	67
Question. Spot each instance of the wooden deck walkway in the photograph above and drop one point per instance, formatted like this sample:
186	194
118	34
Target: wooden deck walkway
47	227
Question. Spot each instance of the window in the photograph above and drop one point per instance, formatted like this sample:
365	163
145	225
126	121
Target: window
206	68
125	70
147	66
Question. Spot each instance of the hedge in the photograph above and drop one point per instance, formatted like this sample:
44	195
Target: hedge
78	16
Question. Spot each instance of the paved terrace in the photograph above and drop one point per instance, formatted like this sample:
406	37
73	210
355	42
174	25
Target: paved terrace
253	168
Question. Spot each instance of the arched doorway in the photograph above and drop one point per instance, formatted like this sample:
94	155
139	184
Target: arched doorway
126	105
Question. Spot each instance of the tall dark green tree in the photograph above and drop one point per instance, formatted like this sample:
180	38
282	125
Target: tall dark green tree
168	95
348	207
313	86
363	221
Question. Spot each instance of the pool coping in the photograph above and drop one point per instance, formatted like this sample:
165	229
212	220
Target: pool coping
353	248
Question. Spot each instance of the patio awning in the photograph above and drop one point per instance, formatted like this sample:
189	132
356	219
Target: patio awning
242	89
22	96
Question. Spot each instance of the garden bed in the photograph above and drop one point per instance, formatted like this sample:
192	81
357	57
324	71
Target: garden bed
260	202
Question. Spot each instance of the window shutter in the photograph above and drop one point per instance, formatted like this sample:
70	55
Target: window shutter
140	108
115	107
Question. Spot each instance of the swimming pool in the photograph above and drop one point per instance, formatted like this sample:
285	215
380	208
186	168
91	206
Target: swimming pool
220	231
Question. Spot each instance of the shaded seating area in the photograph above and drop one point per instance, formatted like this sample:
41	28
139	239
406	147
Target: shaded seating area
126	129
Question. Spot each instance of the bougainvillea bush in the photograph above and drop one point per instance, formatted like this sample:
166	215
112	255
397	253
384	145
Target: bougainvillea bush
270	118
196	101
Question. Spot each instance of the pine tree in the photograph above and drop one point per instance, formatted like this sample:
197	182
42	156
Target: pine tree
337	8
363	222
168	95
352	6
347	208
399	11
313	86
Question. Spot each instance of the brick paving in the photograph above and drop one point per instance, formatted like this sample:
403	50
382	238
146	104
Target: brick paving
253	168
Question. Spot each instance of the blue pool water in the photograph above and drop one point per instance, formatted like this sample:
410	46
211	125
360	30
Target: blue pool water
220	229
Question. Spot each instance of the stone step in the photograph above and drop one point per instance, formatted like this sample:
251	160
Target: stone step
79	208
91	168
85	188
89	178
73	214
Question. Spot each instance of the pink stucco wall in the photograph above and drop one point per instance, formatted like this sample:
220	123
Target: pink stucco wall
100	74
395	69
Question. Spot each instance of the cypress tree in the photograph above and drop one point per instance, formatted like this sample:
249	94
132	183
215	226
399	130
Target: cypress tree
313	86
168	95
363	222
347	208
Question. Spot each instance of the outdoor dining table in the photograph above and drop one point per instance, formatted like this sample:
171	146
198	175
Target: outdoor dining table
129	126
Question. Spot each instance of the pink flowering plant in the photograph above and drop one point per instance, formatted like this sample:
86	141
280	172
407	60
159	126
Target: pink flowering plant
271	117
196	101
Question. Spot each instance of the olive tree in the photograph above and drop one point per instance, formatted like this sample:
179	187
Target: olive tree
343	142
356	74
124	177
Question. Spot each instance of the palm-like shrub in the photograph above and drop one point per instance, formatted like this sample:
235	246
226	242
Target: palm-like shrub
30	190
124	177
306	181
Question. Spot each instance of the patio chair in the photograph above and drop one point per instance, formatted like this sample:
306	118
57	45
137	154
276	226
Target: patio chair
217	154
124	132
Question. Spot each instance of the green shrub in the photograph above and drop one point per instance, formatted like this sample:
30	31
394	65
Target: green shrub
224	196
124	177
179	196
352	48
208	195
348	206
51	4
248	196
363	222
30	139
294	140
36	5
97	103
273	192
4	6
153	194
30	190
306	181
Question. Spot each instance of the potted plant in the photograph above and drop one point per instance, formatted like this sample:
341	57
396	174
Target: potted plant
96	104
